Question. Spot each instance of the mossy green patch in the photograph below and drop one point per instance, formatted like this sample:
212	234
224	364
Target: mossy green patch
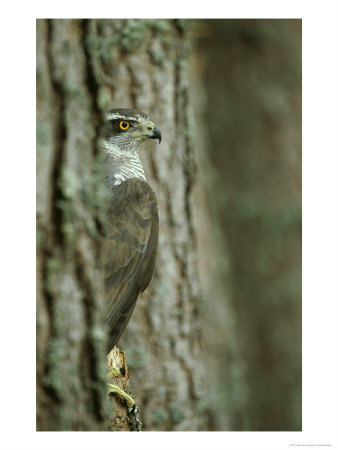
133	34
159	416
176	414
136	358
69	183
43	132
158	55
102	45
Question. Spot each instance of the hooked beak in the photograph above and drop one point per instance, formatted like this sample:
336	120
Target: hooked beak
156	134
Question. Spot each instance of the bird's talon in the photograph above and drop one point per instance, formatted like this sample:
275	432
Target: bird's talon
113	389
133	410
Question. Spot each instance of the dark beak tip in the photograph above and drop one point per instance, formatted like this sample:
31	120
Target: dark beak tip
157	134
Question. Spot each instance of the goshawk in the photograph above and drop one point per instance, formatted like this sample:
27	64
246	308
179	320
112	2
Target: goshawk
133	216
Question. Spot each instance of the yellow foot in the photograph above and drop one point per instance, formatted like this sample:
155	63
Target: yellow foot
117	369
113	389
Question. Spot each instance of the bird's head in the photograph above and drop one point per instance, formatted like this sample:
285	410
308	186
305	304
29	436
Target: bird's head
126	129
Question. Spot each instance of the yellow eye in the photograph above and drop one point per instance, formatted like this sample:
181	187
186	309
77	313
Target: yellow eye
124	125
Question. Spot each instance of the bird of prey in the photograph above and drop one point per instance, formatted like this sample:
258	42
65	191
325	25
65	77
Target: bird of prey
132	225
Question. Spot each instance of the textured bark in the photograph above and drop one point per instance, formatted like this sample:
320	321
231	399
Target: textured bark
70	297
85	67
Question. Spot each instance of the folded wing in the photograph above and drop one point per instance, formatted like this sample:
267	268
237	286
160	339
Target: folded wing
131	249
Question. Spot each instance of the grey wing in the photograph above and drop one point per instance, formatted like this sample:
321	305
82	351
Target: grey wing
131	255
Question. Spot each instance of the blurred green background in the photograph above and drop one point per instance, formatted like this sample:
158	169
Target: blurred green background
250	124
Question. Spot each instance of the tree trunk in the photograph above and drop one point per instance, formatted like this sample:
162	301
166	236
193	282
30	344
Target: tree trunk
252	78
85	67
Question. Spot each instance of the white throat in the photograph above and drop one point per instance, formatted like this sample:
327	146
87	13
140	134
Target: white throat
122	164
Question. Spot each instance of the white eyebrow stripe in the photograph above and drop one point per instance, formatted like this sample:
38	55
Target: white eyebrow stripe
113	116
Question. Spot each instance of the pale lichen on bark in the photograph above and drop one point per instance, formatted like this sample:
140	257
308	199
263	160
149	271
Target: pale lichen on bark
84	68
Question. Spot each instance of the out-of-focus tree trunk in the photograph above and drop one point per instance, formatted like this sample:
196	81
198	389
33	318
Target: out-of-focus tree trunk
252	118
85	67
